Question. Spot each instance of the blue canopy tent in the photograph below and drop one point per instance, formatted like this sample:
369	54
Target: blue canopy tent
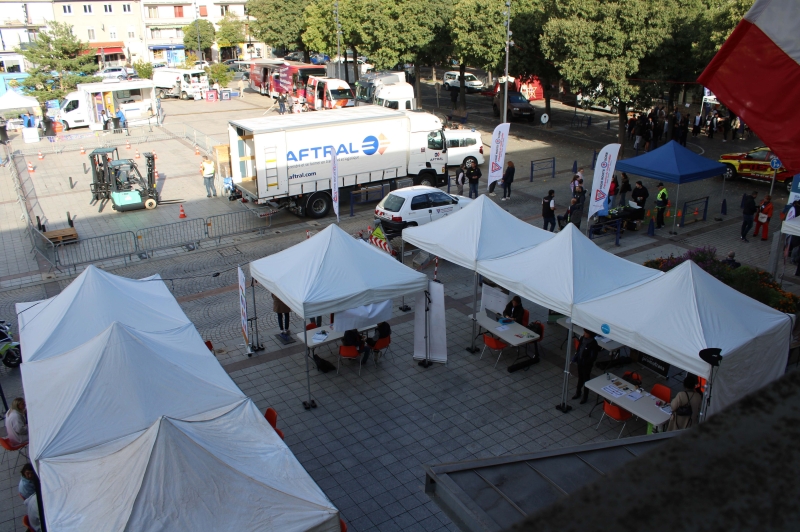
672	163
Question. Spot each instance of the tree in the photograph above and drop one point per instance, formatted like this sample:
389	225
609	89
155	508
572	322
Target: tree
60	60
599	46
207	35
220	73
144	69
320	30
231	31
478	36
279	23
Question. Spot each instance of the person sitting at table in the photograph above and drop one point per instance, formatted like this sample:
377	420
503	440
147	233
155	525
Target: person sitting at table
26	486
566	218
686	405
353	338
16	424
383	330
585	357
514	310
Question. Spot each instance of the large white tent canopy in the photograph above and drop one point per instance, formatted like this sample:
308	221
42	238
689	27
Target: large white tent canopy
92	302
791	227
333	271
676	315
14	100
231	472
480	231
119	383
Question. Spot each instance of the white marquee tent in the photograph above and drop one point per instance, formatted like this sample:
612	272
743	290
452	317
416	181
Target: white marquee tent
119	383
332	271
14	100
231	472
92	302
674	316
791	227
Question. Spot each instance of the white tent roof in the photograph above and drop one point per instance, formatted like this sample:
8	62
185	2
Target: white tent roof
92	302
676	315
791	227
566	270
332	271
232	472
480	231
119	383
14	100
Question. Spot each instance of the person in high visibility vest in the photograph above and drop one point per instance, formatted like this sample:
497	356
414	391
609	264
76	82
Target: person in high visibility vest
207	170
662	199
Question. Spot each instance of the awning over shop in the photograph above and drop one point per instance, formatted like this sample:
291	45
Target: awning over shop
107	48
166	47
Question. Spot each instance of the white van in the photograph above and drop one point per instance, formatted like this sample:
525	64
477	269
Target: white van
396	96
137	99
180	83
463	145
452	82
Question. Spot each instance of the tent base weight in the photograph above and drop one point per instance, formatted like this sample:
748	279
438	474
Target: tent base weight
425	363
472	349
404	308
285	340
564	408
309	405
255	348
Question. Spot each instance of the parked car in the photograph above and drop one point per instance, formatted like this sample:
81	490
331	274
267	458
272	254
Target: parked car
319	59
159	65
518	106
416	205
464	145
295	56
755	165
201	64
118	72
452	82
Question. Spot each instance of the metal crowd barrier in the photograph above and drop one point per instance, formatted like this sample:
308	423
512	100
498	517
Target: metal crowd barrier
367	195
688	204
190	232
546	166
83	138
96	248
236	223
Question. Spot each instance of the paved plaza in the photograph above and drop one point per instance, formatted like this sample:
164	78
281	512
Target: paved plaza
367	441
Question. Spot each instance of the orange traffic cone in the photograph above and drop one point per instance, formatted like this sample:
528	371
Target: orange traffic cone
668	214
696	211
156	175
30	168
41	157
196	150
648	214
155	157
83	152
127	144
182	214
679	214
137	153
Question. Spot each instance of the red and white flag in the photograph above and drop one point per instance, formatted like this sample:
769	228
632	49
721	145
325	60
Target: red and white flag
498	152
756	74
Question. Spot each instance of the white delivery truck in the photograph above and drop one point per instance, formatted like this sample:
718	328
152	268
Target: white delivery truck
180	83
328	93
137	99
396	96
286	160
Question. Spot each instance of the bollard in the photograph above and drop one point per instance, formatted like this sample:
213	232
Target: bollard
724	209
608	126
71	183
651	228
589	121
575	168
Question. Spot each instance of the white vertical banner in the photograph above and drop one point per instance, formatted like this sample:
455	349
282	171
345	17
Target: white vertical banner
603	172
498	153
437	328
335	183
243	305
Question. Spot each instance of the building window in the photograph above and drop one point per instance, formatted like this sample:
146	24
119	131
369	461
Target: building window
155	33
178	11
91	34
203	11
152	12
131	32
126	8
87	9
67	10
179	33
112	33
223	10
107	8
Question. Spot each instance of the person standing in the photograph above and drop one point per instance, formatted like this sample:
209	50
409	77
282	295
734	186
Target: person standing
207	171
567	217
698	122
662	200
712	125
624	188
580	195
454	98
461	179
686	405
549	211
123	122
290	102
612	192
763	217
640	195
585	357
282	103
241	87
749	210
508	178
474	177
684	133
282	310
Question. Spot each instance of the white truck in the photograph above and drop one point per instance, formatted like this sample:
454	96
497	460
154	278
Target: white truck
180	83
286	160
137	99
387	89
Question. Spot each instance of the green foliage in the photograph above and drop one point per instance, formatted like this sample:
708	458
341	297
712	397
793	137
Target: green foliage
207	34
231	31
723	16
477	33
278	23
144	69
59	63
220	73
189	59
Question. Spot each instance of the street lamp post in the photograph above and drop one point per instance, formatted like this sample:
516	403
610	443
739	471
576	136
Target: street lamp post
338	39
507	13
197	29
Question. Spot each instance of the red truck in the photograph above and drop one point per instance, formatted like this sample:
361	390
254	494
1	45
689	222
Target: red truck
271	77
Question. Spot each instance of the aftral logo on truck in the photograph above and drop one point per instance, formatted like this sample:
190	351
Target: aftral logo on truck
369	146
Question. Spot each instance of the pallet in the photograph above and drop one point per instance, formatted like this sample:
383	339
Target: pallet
62	236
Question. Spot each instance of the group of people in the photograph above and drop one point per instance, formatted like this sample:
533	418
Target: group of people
760	214
469	173
647	130
108	122
729	124
291	103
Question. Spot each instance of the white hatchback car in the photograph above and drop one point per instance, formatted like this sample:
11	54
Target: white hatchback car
463	145
452	82
416	205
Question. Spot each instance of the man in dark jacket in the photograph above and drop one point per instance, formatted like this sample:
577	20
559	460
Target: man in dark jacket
573	208
640	195
514	310
549	211
749	210
353	338
473	176
585	357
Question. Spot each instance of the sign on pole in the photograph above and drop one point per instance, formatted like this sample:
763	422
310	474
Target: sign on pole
775	163
603	172
498	153
335	183
243	306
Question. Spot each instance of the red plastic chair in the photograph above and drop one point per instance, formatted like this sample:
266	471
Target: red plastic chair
495	345
310	326
209	345
349	352
701	385
541	336
526	318
27	524
6	444
382	347
620	415
272	417
342	526
662	392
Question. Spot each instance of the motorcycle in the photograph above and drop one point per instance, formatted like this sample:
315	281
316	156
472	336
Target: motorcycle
10	354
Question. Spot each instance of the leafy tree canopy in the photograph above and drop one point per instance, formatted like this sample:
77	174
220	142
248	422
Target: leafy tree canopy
278	23
207	34
231	31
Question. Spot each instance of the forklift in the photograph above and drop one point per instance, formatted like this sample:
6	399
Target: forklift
99	161
129	190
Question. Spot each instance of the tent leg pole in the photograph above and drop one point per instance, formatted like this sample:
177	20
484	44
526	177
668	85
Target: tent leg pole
403	306
310	403
675	218
472	348
706	399
563	406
